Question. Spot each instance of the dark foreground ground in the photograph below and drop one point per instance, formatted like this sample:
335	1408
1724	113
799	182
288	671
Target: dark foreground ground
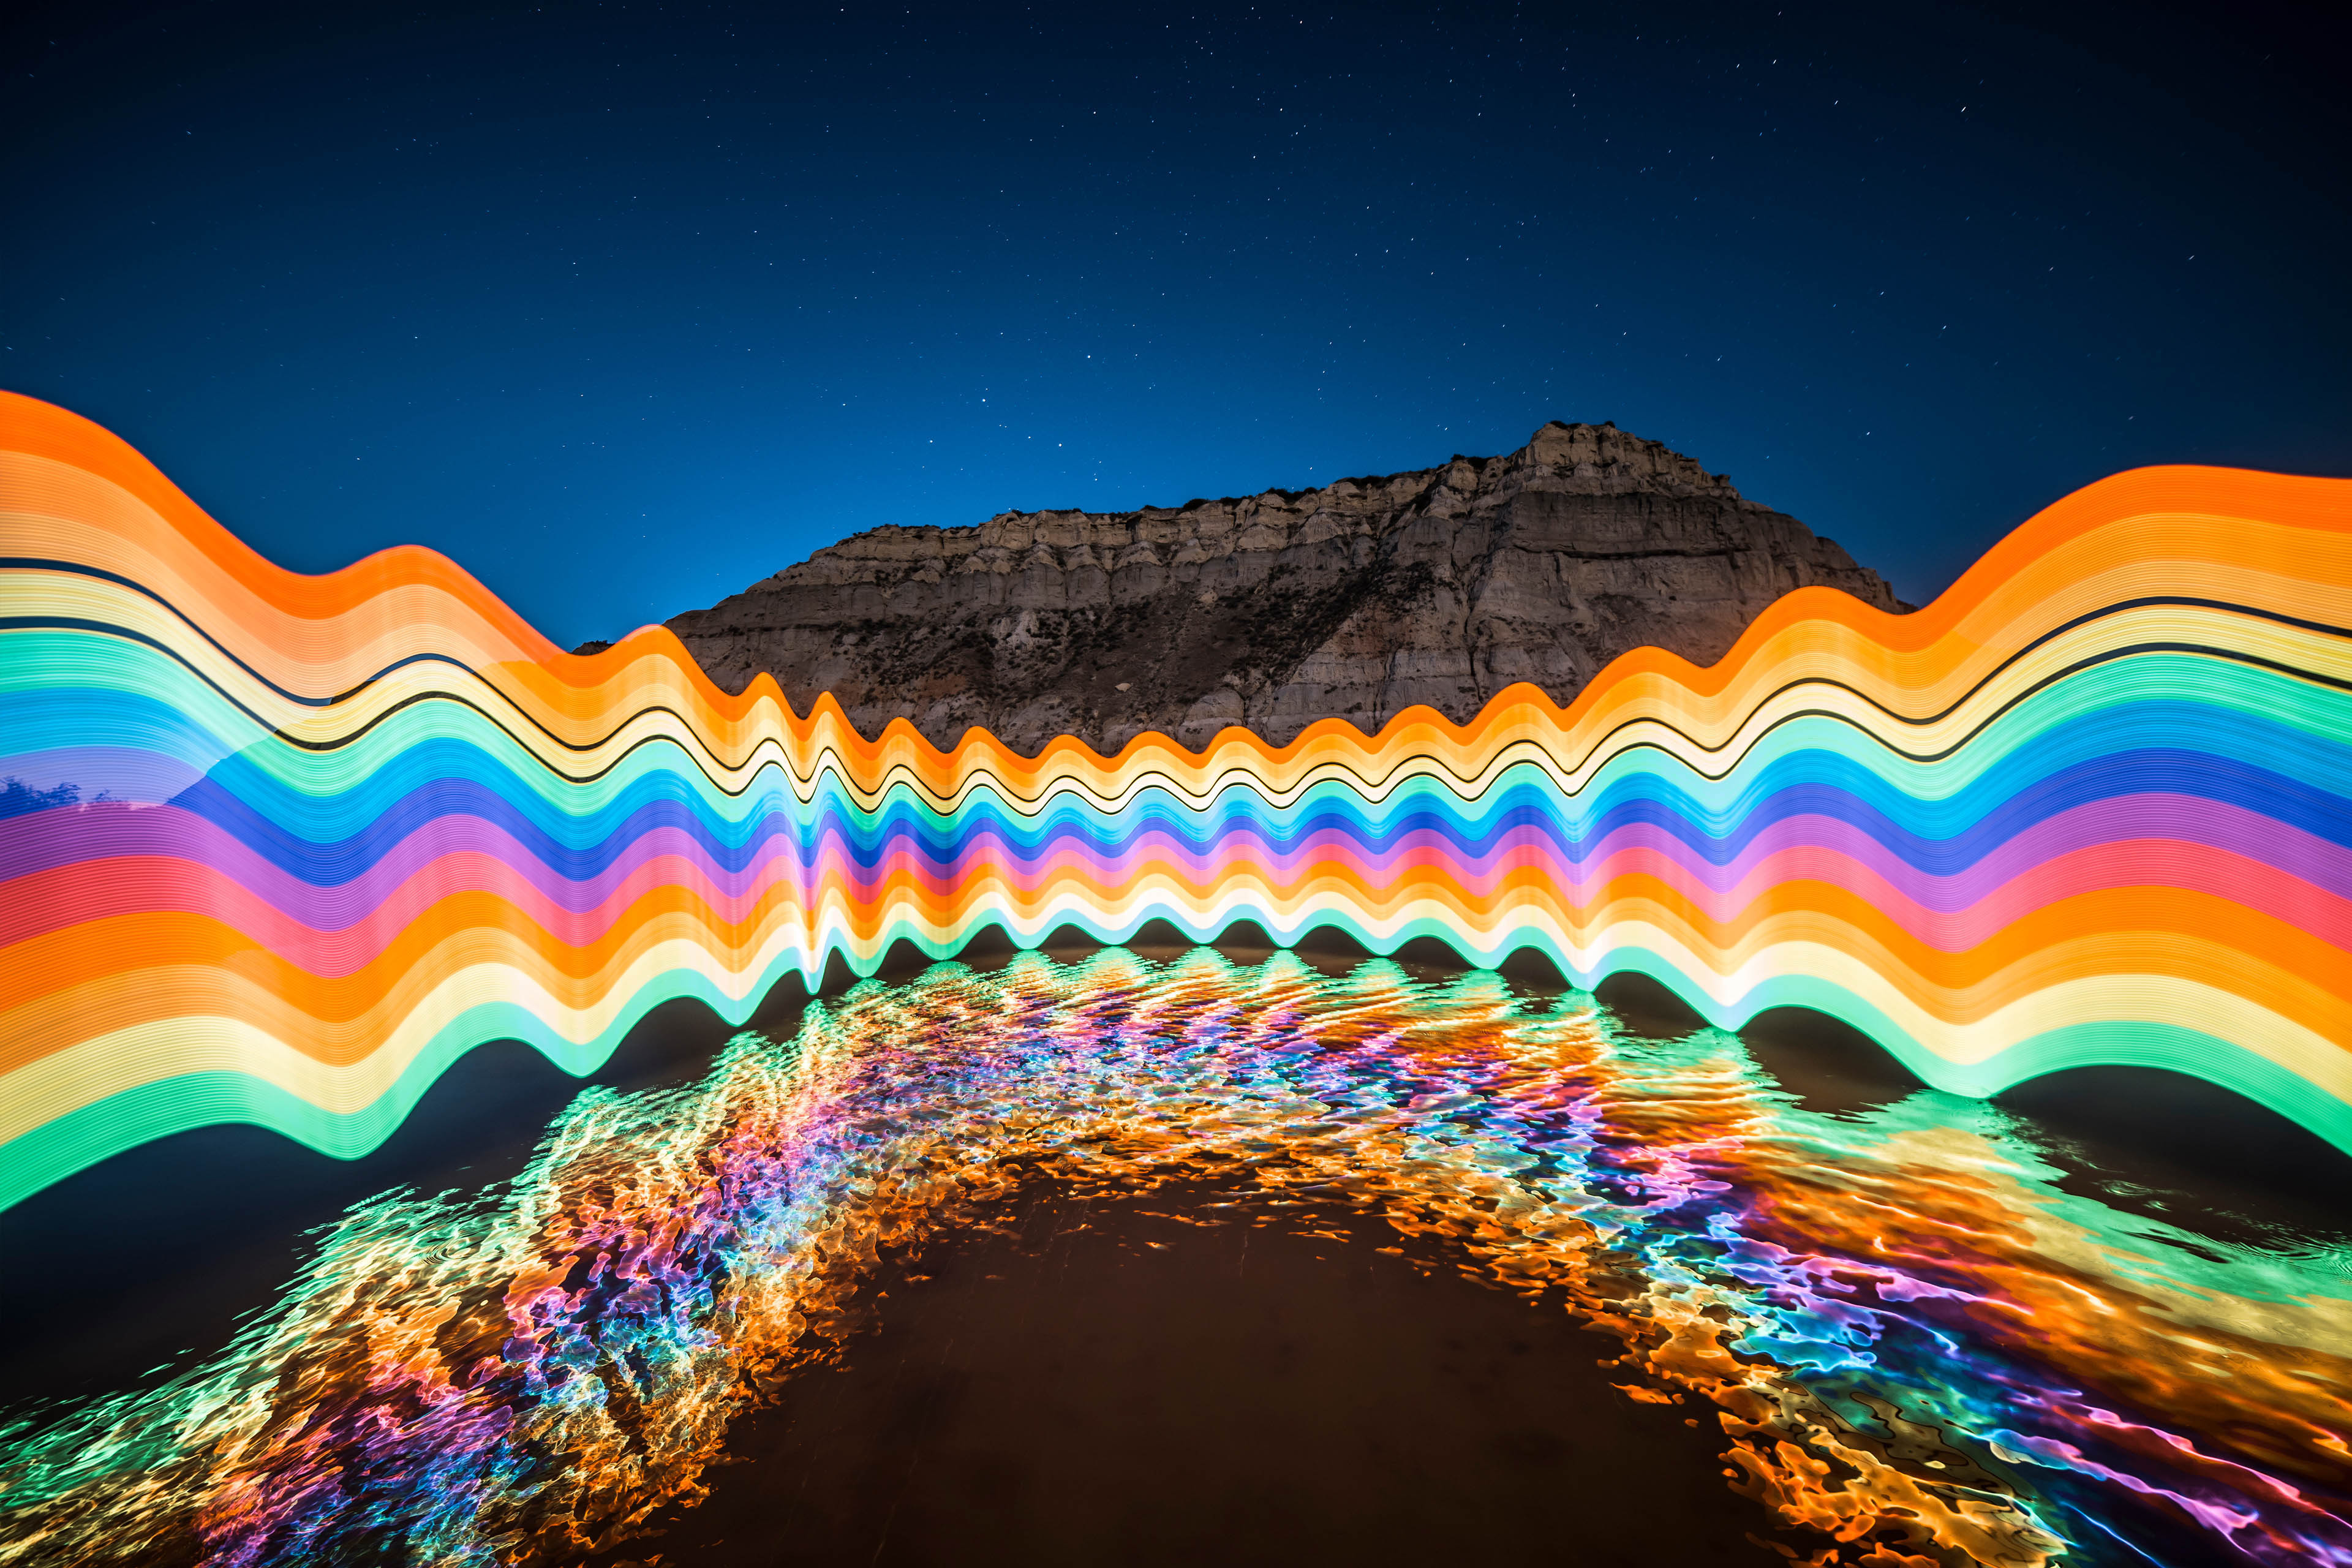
1121	1384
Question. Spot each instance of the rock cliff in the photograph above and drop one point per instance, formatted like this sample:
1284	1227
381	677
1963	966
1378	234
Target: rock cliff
1359	599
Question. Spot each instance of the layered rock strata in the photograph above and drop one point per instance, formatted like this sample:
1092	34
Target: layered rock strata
1360	599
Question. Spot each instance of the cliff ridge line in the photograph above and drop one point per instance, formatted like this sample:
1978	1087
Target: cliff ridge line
1357	599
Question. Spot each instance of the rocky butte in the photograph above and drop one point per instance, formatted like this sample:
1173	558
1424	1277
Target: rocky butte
1360	599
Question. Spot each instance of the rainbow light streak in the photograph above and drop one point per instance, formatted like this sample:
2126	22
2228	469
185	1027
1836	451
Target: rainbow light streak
1918	1349
280	849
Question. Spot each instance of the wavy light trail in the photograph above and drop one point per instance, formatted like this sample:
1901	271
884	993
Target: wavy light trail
281	848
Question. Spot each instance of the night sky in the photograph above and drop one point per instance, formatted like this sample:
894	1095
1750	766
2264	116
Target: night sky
627	306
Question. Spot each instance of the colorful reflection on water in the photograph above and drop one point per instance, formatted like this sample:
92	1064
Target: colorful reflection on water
1919	1349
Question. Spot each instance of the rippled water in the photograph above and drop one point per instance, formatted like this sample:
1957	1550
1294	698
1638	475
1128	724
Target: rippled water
1915	1344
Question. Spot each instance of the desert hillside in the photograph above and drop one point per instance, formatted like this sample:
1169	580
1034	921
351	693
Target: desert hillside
1360	599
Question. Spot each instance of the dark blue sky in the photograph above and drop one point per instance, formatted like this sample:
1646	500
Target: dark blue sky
627	307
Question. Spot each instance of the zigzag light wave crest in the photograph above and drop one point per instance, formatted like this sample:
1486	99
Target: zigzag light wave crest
278	849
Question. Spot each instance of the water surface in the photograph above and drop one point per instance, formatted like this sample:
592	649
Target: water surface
960	1265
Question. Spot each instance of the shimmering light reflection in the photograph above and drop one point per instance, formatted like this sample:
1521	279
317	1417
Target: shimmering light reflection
1915	1344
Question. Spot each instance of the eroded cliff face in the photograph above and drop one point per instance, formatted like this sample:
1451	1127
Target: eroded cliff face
1360	599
